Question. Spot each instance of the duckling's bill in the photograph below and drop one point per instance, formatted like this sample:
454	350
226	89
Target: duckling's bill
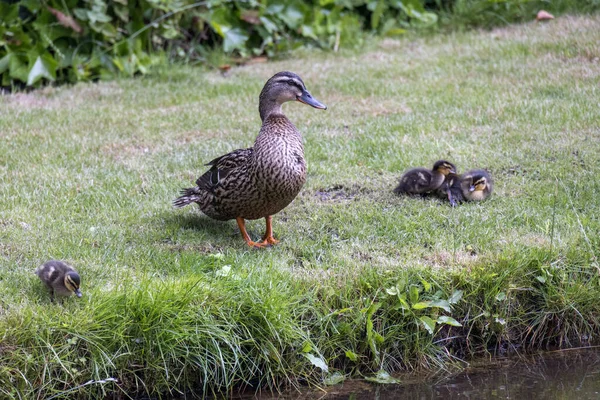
307	98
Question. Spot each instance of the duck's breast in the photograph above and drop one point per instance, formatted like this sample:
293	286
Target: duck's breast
279	167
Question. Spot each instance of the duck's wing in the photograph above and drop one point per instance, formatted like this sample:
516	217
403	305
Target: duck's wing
222	166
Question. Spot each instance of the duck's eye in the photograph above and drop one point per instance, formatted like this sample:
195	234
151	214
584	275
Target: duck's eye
292	82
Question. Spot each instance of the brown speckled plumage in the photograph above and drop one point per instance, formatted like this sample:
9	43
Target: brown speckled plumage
262	180
60	278
423	180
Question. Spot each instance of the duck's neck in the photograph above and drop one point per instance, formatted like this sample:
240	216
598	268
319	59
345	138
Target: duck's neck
267	107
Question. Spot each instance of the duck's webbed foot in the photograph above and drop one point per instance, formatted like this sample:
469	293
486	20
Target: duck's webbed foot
268	239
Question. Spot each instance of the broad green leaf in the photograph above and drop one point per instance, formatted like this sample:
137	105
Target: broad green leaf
275	9
414	294
42	68
426	285
351	356
403	303
392	291
306	348
382	377
372	309
443	304
501	296
378	338
421	305
428	323
235	38
268	24
4	62
456	296
122	12
308	31
443	319
81	14
96	14
292	16
377	13
224	271
8	13
31	5
396	32
334	379
317	361
540	278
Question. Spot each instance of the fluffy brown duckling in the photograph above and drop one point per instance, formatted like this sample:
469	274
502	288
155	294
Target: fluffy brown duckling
262	180
60	278
423	180
474	185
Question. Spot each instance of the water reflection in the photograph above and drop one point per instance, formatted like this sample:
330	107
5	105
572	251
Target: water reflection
572	374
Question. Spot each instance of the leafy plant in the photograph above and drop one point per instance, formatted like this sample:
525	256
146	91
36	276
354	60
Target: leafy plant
416	301
75	40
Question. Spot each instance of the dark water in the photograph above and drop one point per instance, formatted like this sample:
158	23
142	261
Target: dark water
571	374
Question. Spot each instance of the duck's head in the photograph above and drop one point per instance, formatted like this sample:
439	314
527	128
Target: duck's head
444	167
282	87
479	183
72	282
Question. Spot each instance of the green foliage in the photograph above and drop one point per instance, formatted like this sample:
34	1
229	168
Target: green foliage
78	40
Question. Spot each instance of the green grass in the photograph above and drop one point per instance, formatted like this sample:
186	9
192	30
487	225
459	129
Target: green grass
175	302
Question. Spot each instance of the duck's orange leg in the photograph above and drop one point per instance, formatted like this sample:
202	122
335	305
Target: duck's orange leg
242	225
268	238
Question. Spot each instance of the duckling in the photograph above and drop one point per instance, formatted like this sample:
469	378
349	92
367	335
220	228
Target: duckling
262	180
423	180
476	185
450	189
60	277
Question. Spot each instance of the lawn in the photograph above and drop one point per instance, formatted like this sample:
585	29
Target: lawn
174	301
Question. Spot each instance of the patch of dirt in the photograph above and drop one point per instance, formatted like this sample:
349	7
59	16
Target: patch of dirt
445	259
28	101
339	193
50	98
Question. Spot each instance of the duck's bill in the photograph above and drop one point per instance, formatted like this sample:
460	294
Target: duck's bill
78	293
307	98
471	188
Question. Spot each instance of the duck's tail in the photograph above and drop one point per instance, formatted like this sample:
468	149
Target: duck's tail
188	196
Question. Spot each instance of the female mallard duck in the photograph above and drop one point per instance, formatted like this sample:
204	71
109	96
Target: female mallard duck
474	185
60	277
423	180
262	180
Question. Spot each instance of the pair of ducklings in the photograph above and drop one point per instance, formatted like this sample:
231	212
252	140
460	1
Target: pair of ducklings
443	181
60	278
